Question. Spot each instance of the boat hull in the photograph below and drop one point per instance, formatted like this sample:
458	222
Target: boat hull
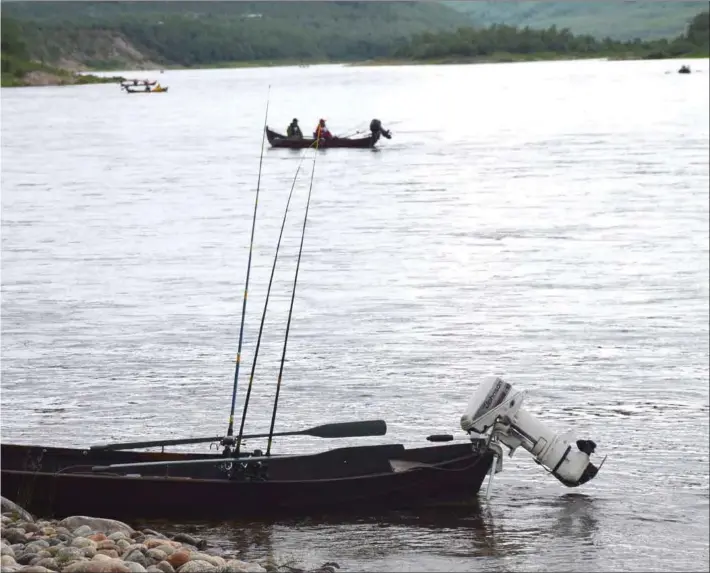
144	91
281	141
344	480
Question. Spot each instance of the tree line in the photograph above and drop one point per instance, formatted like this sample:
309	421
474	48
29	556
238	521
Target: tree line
619	20
469	42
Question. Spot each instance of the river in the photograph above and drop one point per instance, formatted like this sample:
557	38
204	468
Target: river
547	222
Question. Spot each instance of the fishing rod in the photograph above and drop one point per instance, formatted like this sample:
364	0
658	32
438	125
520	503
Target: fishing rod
359	131
266	303
350	134
290	310
354	131
230	428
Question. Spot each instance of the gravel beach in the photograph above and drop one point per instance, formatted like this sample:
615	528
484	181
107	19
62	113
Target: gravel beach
82	544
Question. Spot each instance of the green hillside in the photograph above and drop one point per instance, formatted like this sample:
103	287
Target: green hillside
75	35
624	20
19	68
115	34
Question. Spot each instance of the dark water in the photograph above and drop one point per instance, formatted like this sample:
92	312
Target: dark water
547	222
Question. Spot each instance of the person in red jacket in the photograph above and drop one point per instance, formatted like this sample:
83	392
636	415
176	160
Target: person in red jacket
322	132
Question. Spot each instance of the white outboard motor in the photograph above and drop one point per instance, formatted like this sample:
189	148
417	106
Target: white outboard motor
497	410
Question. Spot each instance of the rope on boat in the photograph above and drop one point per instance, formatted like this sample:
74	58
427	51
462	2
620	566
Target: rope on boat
230	429
266	303
293	296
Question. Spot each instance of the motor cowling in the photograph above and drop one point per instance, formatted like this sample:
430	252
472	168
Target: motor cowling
376	128
496	409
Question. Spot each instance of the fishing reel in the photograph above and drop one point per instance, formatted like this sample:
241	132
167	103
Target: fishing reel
496	410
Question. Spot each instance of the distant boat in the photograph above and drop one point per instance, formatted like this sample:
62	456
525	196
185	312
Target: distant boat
146	90
684	70
376	131
136	82
279	140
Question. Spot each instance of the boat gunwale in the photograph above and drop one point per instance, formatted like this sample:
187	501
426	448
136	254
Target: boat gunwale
476	455
273	136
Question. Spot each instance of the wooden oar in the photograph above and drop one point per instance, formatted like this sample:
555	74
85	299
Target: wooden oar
337	430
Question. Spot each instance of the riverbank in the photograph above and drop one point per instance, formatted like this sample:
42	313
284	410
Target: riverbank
19	71
41	75
22	73
81	544
505	58
217	66
500	58
43	78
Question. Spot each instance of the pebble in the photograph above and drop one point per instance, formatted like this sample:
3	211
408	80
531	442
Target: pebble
81	544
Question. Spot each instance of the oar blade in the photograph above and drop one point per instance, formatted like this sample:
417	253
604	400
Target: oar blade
349	429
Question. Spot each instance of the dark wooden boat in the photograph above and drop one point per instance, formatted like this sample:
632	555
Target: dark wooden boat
59	482
280	140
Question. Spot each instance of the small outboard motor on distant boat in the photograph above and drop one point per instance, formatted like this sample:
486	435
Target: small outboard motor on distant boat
496	410
376	128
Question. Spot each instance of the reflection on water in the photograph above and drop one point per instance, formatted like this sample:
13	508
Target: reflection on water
575	517
547	222
566	526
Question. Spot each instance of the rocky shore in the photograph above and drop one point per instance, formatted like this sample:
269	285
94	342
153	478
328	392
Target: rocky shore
81	544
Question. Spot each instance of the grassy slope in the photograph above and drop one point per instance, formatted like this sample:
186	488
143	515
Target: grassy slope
19	69
622	20
23	72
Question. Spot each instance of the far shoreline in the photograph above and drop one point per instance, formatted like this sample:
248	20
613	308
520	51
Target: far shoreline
383	62
89	76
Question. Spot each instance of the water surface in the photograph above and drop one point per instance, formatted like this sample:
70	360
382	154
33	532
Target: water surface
543	221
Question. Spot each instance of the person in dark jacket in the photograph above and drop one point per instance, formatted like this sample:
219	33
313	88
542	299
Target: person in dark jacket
293	131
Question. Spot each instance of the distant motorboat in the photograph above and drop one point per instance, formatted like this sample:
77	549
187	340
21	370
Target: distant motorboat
146	89
376	131
684	70
136	83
